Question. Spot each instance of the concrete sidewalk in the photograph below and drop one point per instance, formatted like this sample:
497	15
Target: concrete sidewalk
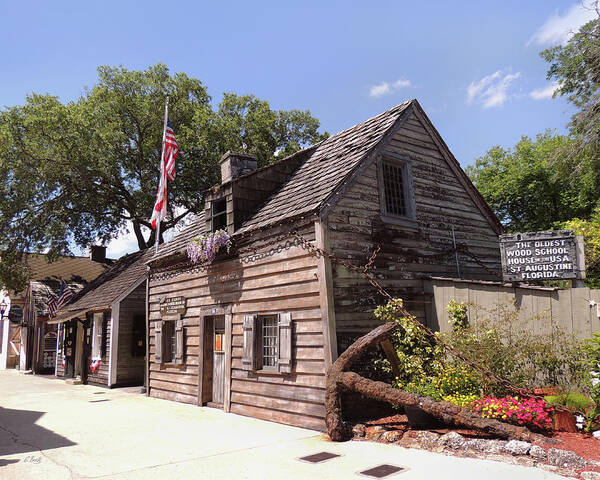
52	430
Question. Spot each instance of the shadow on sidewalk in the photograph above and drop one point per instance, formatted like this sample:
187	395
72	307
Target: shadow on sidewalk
20	434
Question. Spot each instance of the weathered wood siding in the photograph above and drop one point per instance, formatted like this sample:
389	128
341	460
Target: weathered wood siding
539	310
130	369
441	201
100	376
268	276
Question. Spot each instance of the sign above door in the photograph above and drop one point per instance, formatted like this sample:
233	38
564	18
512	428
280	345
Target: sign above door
173	305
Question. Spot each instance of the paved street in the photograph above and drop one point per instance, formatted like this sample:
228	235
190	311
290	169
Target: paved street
51	430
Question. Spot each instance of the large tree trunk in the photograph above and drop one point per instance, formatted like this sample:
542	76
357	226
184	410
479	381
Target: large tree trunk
338	381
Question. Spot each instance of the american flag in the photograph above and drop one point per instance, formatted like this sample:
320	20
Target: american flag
64	295
167	173
171	151
52	308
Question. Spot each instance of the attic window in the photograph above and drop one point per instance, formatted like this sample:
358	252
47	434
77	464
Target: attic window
219	214
396	189
393	181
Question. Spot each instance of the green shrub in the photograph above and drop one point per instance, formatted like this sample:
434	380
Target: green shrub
457	380
461	400
420	356
425	388
572	400
591	349
457	311
501	343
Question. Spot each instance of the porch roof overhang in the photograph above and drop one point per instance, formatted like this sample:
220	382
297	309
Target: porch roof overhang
66	316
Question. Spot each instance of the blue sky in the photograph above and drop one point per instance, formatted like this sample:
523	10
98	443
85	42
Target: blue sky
473	65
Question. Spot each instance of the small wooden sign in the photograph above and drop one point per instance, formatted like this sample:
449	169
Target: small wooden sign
172	305
551	255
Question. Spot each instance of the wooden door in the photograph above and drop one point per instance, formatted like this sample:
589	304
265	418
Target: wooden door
218	384
69	348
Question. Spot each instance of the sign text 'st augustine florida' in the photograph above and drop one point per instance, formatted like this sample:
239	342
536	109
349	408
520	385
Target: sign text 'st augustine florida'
542	256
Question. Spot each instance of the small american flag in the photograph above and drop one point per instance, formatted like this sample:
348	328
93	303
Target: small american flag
64	295
52	308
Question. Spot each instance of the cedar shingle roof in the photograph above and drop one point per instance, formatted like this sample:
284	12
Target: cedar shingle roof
323	168
326	166
180	241
82	268
128	270
109	286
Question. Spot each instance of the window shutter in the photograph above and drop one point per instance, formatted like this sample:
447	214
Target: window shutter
179	346
158	341
249	354
285	343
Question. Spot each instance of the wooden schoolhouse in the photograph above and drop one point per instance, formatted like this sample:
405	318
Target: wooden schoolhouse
254	331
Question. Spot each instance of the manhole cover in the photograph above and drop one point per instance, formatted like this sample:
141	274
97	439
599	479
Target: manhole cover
319	457
99	393
103	400
382	471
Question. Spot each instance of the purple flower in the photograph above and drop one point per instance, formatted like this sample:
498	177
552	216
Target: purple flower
205	248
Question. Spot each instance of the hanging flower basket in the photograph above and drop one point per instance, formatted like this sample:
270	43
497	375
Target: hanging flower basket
205	247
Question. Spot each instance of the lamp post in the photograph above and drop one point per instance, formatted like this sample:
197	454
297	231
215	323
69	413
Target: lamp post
3	306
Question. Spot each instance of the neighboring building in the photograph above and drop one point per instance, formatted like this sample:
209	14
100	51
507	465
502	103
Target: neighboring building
102	331
254	331
39	346
29	333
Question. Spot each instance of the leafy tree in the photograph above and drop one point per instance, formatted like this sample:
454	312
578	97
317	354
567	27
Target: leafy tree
530	192
78	171
576	68
590	229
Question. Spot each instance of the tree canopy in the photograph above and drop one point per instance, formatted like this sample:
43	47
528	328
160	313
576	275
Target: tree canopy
529	191
590	229
77	172
576	68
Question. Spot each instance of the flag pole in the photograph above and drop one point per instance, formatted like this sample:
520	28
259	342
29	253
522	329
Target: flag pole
162	170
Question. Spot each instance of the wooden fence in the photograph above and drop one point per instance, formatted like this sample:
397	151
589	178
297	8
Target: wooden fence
541	309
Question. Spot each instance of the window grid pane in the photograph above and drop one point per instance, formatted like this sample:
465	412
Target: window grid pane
173	343
394	189
270	341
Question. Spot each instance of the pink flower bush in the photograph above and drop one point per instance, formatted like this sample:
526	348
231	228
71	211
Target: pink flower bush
205	248
529	412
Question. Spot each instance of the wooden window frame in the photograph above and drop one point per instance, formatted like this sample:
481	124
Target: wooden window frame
409	219
97	335
171	327
214	215
260	343
253	359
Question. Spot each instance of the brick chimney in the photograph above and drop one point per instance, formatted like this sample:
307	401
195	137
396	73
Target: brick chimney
235	164
98	253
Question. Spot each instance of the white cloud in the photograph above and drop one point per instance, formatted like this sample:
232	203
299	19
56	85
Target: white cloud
402	83
559	28
491	90
544	92
379	90
385	88
476	88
